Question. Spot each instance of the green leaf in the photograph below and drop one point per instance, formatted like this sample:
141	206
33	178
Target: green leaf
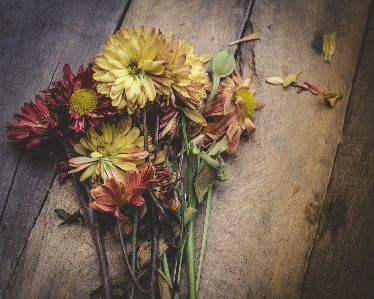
205	157
290	78
223	64
189	213
218	147
193	115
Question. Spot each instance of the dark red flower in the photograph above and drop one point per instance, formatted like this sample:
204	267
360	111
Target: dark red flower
168	193
35	123
75	100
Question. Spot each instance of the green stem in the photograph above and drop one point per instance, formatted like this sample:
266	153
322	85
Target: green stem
203	241
190	244
166	268
178	261
215	85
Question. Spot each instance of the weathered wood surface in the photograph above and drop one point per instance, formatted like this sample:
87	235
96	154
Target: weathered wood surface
259	237
342	260
37	39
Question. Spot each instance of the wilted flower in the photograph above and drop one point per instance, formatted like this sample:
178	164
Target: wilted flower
167	192
125	66
233	108
35	123
75	100
118	149
184	78
113	195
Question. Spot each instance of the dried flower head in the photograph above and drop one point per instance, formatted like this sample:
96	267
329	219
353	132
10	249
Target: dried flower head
35	123
125	66
184	78
114	195
233	107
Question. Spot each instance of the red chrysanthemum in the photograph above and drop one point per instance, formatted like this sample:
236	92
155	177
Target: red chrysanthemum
75	100
35	123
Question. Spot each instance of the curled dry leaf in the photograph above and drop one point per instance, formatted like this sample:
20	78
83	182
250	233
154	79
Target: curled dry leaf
275	80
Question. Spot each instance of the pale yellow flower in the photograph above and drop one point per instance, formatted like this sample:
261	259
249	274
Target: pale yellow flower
118	149
124	67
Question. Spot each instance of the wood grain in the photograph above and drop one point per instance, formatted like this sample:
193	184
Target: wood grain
341	263
260	235
37	39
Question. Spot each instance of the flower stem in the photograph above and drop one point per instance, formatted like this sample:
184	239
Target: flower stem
92	222
190	244
203	241
127	260
154	256
166	268
133	252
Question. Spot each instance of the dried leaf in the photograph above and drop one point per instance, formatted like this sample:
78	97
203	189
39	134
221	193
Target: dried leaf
193	115
274	80
160	156
222	174
329	44
163	285
247	38
290	78
204	180
62	214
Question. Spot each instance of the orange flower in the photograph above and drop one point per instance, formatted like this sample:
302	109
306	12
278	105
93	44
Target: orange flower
111	196
233	107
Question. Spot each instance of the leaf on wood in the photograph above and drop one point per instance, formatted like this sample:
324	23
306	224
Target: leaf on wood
163	285
329	44
290	78
274	80
246	38
69	218
62	214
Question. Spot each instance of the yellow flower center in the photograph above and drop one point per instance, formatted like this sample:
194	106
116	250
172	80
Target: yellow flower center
83	101
249	101
133	66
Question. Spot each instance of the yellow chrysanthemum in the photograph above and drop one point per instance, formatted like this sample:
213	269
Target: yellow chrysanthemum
118	149
124	67
184	77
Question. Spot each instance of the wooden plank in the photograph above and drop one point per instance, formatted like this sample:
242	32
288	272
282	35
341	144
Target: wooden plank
341	262
37	38
61	262
259	238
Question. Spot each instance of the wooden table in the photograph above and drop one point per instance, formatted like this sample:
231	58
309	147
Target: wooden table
295	218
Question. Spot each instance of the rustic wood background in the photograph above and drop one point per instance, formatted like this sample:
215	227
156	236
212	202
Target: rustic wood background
294	220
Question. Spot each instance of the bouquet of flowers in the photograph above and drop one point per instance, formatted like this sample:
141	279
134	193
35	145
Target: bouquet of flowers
143	131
